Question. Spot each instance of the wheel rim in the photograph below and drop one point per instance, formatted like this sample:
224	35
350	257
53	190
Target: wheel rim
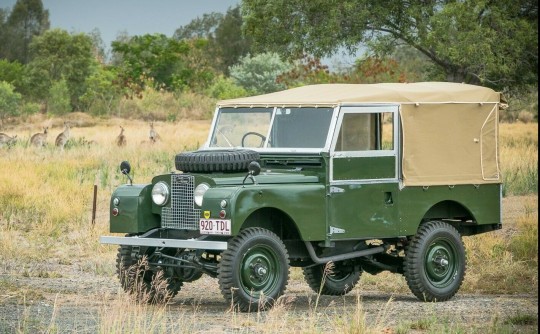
441	263
260	271
338	277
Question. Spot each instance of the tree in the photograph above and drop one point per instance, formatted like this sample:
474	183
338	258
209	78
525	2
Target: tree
226	41
9	101
259	74
200	27
58	101
27	20
230	43
169	63
98	46
494	43
101	95
11	72
58	55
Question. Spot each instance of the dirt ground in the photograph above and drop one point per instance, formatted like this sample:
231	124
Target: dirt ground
83	302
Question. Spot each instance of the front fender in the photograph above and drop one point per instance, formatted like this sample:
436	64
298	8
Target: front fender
303	203
134	209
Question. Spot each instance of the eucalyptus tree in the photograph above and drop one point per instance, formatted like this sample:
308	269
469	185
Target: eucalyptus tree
27	19
494	43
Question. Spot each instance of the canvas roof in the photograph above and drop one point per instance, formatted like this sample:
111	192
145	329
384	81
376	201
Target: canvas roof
334	94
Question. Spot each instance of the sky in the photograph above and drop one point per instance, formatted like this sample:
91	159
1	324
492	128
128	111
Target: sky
135	17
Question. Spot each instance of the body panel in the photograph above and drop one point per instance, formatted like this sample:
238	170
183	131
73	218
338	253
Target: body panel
135	209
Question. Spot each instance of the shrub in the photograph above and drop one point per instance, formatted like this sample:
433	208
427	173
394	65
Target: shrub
9	101
58	102
225	88
29	108
258	74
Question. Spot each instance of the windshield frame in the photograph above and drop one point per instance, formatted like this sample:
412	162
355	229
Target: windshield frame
325	148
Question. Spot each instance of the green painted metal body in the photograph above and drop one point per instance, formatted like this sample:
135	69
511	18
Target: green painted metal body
319	211
135	209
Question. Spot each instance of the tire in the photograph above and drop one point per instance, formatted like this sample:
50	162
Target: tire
335	283
215	161
428	277
138	280
254	270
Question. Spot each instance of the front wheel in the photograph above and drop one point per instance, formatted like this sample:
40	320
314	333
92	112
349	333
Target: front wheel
145	285
434	266
254	270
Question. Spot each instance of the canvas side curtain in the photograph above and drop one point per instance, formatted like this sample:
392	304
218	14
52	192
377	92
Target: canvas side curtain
450	144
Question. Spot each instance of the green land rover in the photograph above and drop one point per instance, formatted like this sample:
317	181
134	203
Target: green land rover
366	178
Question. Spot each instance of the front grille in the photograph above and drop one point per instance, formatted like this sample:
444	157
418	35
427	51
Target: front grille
182	213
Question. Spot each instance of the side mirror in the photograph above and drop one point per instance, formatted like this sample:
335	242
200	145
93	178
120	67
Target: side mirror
125	168
254	168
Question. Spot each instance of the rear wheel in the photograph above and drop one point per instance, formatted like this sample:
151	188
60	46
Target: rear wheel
137	279
254	270
434	266
330	281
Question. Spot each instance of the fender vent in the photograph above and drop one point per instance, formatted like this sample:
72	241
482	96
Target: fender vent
182	213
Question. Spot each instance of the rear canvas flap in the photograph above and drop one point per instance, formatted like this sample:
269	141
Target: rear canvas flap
449	144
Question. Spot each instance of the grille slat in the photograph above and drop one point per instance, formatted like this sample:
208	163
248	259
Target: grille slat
182	214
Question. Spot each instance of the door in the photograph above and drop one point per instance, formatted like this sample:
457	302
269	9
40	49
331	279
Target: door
364	169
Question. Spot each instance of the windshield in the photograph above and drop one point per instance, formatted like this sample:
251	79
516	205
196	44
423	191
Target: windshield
271	127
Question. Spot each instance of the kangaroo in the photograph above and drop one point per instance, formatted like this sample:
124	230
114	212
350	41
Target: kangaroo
39	139
63	137
121	139
7	140
154	136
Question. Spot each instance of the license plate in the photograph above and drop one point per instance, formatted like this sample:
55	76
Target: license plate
215	226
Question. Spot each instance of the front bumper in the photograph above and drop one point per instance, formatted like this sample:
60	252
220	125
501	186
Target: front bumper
161	242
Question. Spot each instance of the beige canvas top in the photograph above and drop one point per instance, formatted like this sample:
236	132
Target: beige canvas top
333	94
449	130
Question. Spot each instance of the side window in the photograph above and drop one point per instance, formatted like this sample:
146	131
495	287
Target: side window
366	132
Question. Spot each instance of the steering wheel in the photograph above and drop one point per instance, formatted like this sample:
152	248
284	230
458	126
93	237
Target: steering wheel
263	138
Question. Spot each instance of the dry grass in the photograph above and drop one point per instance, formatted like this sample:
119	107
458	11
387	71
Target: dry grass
519	158
46	197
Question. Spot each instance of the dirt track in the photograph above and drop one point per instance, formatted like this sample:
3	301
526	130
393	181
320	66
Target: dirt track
79	301
82	303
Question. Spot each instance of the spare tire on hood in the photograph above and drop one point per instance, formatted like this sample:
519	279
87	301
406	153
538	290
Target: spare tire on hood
236	160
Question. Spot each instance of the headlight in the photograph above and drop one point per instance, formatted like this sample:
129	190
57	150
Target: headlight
199	193
160	193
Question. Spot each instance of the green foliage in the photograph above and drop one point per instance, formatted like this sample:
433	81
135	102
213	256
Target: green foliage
490	43
152	56
230	44
226	42
27	20
259	74
9	101
169	64
11	71
29	108
102	95
58	55
58	100
200	27
224	88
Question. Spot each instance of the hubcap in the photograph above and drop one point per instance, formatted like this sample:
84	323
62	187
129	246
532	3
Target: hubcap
260	271
441	263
